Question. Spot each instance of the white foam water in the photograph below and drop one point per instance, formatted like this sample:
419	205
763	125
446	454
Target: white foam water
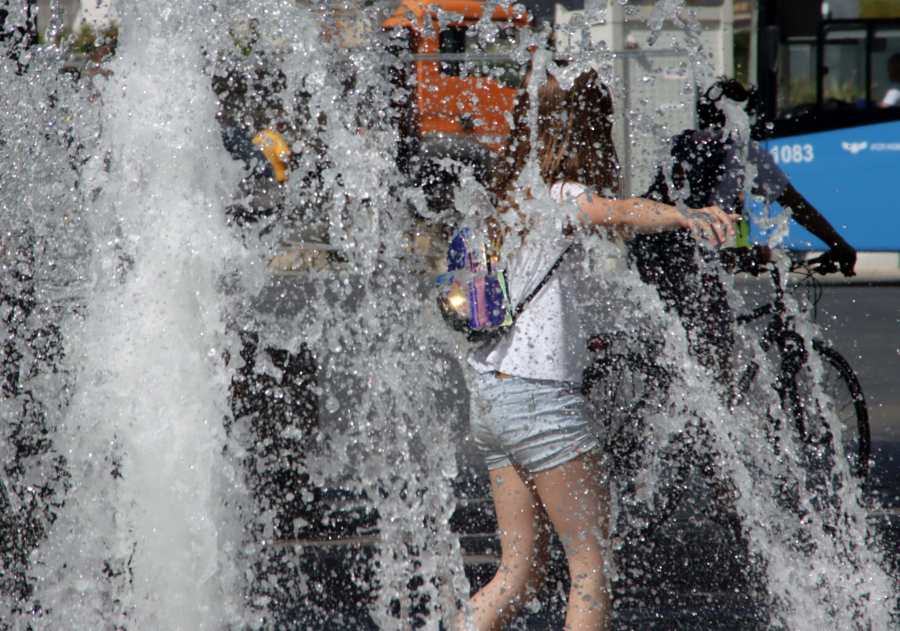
144	540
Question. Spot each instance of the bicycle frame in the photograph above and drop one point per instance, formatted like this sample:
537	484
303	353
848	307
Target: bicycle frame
791	349
630	364
794	356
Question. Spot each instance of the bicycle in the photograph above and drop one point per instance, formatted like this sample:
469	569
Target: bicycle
626	383
839	381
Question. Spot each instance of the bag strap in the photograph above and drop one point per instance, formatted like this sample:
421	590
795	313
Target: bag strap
534	292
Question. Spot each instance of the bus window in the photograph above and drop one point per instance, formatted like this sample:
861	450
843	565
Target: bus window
801	91
507	72
452	41
459	39
885	44
844	68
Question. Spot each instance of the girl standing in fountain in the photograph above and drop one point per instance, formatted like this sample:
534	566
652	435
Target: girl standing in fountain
527	413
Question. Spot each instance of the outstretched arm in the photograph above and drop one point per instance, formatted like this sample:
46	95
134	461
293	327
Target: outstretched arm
638	215
807	216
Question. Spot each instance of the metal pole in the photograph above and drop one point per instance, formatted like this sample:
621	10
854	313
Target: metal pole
626	118
869	45
820	66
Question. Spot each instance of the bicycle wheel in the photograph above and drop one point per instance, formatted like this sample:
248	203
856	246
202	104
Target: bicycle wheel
848	405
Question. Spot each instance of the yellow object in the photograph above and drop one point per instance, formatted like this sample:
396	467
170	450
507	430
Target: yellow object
879	9
276	152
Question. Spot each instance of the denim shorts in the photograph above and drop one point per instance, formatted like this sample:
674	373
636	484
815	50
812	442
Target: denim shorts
534	424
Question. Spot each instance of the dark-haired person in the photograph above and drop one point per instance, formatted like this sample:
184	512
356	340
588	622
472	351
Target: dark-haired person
709	169
528	415
892	96
771	181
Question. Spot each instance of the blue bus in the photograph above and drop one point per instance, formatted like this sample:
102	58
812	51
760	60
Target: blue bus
827	129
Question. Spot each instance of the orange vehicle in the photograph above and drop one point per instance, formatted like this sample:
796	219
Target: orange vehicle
461	88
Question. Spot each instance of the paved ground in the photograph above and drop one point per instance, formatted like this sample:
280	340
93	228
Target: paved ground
706	588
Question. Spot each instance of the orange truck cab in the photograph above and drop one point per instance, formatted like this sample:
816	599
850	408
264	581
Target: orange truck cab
460	88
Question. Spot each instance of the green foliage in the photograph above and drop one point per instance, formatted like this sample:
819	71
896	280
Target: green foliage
844	91
87	40
742	57
245	35
803	91
879	8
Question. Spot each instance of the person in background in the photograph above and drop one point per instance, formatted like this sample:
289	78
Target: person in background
528	414
709	169
892	96
771	182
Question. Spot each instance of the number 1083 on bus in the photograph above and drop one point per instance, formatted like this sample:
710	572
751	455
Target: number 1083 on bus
786	154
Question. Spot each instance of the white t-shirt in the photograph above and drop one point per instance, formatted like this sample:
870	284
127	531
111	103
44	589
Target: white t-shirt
892	97
547	340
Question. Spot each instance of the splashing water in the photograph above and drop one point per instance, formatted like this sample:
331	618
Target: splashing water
191	440
142	432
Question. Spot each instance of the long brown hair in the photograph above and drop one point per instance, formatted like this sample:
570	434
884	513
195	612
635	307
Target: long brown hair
574	138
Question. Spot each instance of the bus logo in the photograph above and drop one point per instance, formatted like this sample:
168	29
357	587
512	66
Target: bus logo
854	147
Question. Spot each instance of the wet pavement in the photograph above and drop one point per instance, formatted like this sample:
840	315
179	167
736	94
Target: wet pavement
696	576
696	572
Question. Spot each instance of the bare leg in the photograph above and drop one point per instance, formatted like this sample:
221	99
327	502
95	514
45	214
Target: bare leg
524	546
576	499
